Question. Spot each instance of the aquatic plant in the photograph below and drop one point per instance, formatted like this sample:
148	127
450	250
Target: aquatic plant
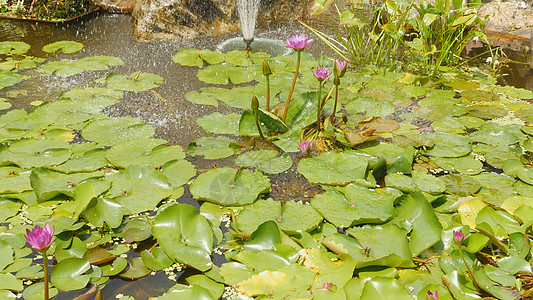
339	69
321	74
267	72
40	239
433	295
298	43
306	146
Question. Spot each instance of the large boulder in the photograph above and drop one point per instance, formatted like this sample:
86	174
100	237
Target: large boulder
169	19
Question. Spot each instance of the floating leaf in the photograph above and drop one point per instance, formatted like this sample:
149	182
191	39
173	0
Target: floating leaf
8	78
297	217
156	259
218	123
139	188
104	210
135	269
10	47
195	237
227	186
354	205
36	292
213	148
66	68
36	153
135	82
71	274
449	145
151	153
48	184
265	160
63	46
116	131
334	168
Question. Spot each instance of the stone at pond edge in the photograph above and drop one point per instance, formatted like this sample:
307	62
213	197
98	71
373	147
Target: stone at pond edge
165	19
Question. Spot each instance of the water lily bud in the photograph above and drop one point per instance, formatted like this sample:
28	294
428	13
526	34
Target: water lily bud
266	68
255	103
337	81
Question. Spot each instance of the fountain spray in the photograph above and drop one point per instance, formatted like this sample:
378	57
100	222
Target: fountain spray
248	16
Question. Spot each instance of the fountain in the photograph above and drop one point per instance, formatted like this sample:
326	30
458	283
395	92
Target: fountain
248	16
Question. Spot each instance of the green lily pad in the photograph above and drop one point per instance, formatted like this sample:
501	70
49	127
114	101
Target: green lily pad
178	172
334	168
136	230
86	157
213	148
354	204
258	213
216	289
63	46
447	125
8	208
71	274
139	188
449	145
66	68
218	123
265	160
35	153
227	186
195	236
152	153
114	268
381	288
468	165
135	269
10	47
526	175
36	292
180	291
48	184
8	78
4	104
116	131
297	217
486	111
156	259
73	248
135	82
106	210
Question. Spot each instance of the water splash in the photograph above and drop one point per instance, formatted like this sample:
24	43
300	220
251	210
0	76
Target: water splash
248	16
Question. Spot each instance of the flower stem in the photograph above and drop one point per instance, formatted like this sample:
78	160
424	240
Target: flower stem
268	93
45	263
319	106
470	274
335	105
292	87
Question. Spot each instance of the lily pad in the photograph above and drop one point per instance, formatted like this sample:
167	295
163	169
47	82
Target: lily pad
11	47
63	46
116	131
449	145
213	148
36	153
227	186
151	153
334	168
139	188
71	274
135	82
265	160
66	68
8	78
218	123
185	235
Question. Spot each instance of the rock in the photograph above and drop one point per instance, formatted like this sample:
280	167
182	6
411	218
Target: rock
125	6
170	19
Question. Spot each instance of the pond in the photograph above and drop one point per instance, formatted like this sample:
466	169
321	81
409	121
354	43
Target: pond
422	163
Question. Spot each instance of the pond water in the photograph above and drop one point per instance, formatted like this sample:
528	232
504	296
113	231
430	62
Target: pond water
165	108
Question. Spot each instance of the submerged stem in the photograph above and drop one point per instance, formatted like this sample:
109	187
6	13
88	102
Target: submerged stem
292	87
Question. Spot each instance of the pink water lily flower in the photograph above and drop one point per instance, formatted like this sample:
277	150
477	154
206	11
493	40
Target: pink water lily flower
458	236
298	42
306	146
40	238
434	296
340	67
321	74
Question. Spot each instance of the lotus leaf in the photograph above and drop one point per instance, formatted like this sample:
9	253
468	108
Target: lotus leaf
265	160
204	98
216	289
258	213
373	246
486	111
75	114
156	259
117	266
213	148
63	46
227	186
217	74
4	104
28	62
188	57
180	291
353	205
525	174
337	272
449	145
8	209
139	188
184	235
35	153
381	288
424	226
135	82
69	249
218	123
71	274
151	153
8	78
269	259
48	184
446	125
136	230
14	180
86	157
102	210
66	68
36	292
334	168
10	47
92	93
116	131
501	222
287	282
297	217
135	269
514	92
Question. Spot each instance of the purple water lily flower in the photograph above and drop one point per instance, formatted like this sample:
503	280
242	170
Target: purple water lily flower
40	238
321	74
434	296
458	236
306	146
340	67
298	42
